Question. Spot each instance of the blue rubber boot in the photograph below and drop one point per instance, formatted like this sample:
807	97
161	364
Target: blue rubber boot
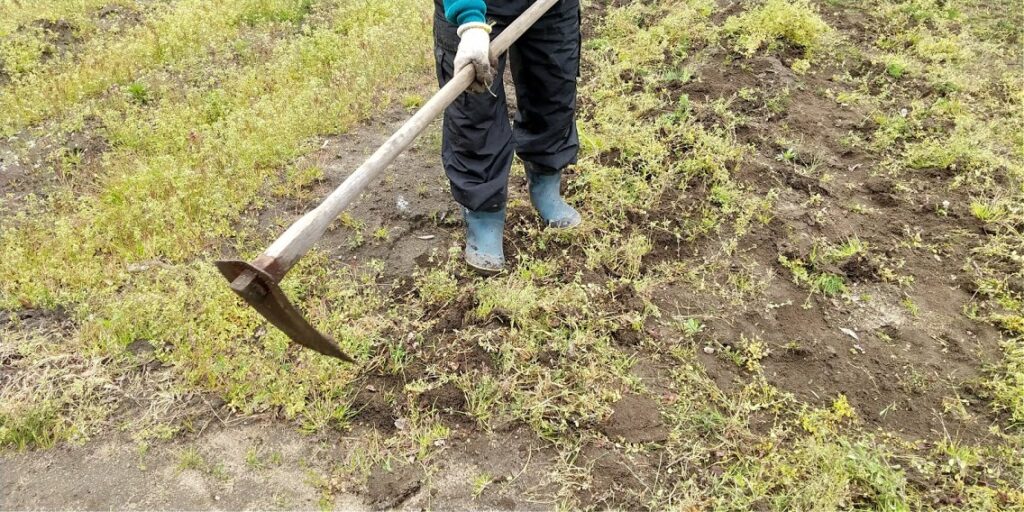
547	199
484	234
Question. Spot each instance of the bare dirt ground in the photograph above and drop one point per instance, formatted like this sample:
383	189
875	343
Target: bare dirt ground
249	463
897	346
940	345
291	469
110	472
410	201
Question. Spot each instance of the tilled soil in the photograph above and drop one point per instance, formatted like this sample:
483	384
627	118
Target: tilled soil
869	350
896	367
410	201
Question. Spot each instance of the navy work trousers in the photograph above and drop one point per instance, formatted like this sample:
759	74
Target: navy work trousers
477	141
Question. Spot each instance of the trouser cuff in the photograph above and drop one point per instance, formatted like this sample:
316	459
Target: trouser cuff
492	204
535	168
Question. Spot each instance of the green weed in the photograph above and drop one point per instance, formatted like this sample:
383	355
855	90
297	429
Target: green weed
480	484
173	184
139	93
825	283
23	52
437	286
190	458
37	426
210	108
778	22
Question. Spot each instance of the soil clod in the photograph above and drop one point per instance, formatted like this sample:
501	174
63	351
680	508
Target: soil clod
635	419
446	397
387	489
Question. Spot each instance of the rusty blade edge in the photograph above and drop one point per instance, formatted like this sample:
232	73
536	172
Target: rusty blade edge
261	292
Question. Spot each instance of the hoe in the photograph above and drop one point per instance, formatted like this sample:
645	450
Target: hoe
257	282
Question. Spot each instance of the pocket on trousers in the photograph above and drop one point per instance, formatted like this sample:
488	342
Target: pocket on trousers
446	35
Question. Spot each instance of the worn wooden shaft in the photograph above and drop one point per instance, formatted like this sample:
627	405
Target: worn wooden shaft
301	236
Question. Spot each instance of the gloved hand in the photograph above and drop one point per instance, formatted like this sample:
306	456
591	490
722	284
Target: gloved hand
475	50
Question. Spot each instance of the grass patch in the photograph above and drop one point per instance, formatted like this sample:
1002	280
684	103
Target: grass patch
182	31
172	188
778	24
685	205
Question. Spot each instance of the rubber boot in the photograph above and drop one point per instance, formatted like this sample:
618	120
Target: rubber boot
547	199
484	234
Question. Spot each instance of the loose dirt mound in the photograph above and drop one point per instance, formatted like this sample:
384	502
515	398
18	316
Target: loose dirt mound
635	419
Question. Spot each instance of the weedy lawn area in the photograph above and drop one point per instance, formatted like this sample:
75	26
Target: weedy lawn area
800	285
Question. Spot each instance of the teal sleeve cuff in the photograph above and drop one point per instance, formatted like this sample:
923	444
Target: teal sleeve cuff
465	11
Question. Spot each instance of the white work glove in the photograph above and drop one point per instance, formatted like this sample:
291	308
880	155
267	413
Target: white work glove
475	50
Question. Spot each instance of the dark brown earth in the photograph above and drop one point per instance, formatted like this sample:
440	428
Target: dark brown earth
117	17
389	488
635	419
897	368
900	368
618	480
34	166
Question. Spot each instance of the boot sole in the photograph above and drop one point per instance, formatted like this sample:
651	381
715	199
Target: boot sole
554	225
482	268
484	271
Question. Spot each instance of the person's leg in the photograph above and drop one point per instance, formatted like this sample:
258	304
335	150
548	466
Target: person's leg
545	64
476	153
476	138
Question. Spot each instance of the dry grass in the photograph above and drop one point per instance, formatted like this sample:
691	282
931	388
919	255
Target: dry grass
205	106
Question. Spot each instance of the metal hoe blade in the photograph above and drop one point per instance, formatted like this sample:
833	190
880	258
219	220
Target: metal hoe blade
261	291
